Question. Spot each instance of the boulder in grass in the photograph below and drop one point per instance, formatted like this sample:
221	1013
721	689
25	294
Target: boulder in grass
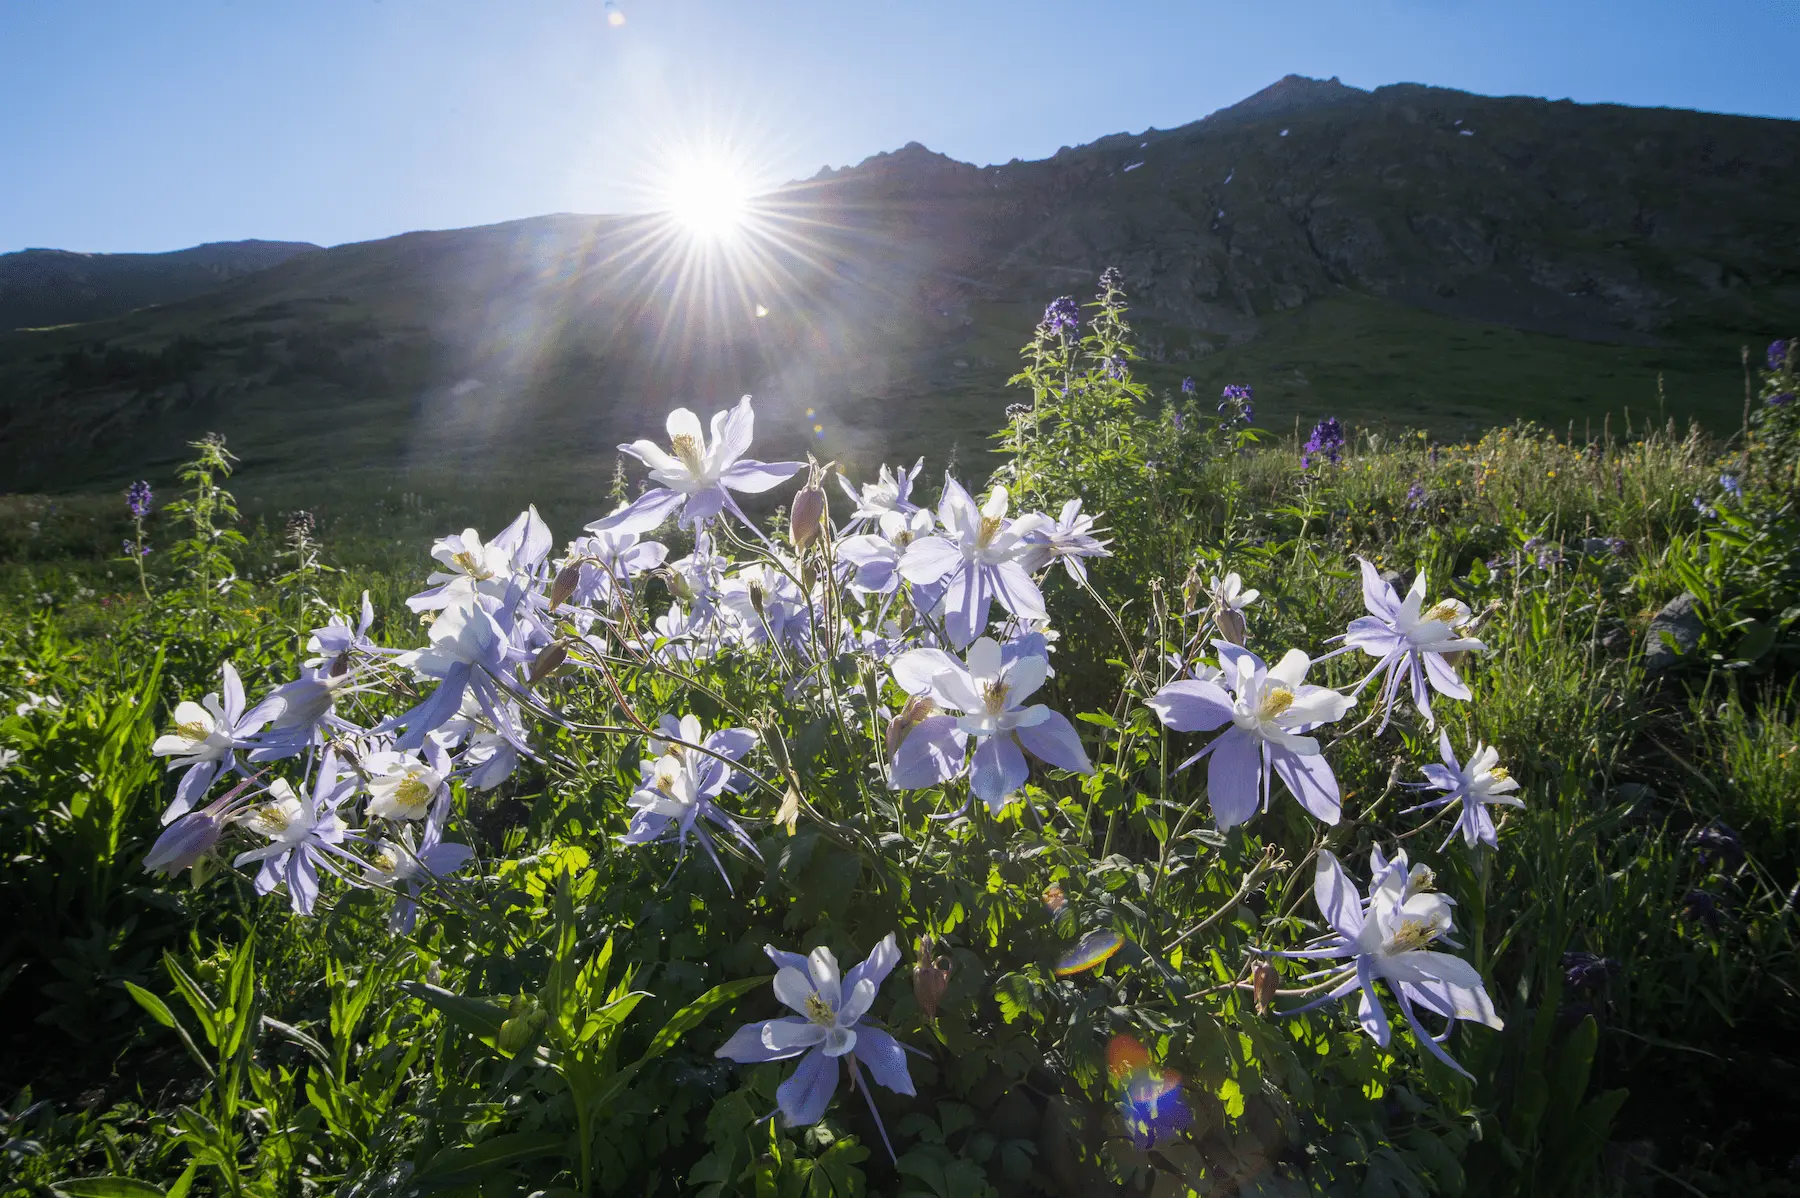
1683	627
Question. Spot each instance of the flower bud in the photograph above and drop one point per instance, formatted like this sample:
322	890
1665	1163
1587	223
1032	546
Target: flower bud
806	523
931	978
564	584
525	1021
789	813
183	843
552	656
1231	624
1263	983
756	598
911	716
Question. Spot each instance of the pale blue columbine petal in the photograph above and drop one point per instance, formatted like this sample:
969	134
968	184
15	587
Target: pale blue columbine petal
785	960
822	970
916	672
642	514
885	1058
1053	739
1337	896
1309	779
931	753
804	1096
1192	706
877	966
1234	777
793	986
753	478
966	601
997	769
1374	1020
747	1045
791	1037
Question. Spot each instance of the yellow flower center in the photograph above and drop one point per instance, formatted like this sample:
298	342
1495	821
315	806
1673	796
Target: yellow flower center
193	730
469	564
1447	611
1413	934
386	862
271	819
990	528
819	1011
1274	702
994	695
1499	773
688	450
412	793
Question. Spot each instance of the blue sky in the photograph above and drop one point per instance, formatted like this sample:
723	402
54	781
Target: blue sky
161	124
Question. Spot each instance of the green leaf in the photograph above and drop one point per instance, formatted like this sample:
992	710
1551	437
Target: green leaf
460	1166
159	1010
202	1006
689	1017
107	1187
481	1017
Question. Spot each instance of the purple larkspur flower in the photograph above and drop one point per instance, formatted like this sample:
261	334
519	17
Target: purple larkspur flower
1062	317
1187	386
1731	485
1782	400
1778	353
1699	906
1116	368
1415	497
1587	971
138	499
1717	840
1327	442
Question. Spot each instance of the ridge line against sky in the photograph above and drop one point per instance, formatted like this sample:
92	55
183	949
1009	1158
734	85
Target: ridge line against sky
159	127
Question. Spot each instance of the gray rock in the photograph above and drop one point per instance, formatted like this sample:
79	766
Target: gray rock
1678	619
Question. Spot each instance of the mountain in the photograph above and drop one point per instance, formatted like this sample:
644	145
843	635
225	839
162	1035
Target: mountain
51	287
1412	255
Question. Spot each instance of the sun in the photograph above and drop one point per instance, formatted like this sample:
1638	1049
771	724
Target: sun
708	198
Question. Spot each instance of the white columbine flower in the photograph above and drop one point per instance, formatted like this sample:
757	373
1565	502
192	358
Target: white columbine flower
1410	641
696	477
1387	937
1480	784
403	786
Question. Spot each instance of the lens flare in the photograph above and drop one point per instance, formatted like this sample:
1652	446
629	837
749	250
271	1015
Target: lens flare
1151	1102
1090	951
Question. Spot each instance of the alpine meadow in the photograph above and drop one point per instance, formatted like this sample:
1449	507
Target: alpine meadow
483	715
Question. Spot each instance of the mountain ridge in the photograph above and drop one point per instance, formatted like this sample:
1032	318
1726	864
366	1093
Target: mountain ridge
41	286
1317	239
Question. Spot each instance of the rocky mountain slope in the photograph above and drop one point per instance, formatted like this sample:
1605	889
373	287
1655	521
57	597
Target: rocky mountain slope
52	287
1418	255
